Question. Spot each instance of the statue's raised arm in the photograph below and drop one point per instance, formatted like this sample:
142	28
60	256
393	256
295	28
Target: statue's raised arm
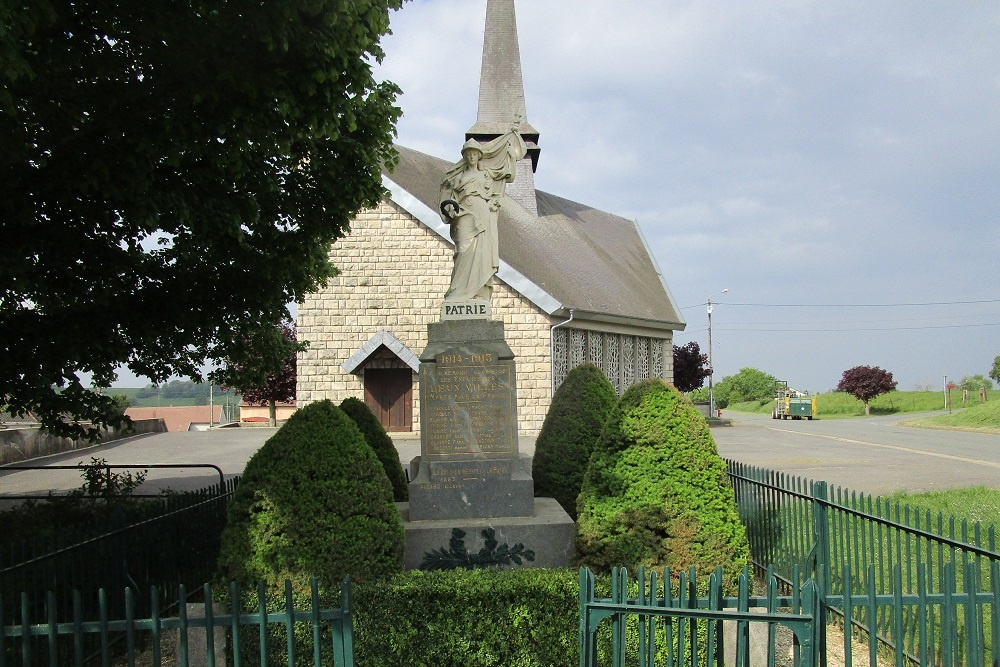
471	194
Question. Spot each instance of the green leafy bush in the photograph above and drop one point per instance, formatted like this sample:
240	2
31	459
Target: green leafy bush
569	434
488	618
379	440
313	501
656	492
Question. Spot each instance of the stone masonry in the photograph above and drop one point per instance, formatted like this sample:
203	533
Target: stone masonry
394	272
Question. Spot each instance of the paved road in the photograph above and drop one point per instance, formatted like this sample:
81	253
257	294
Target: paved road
869	455
229	449
873	455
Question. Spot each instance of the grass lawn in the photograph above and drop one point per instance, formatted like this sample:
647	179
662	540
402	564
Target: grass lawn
976	417
977	503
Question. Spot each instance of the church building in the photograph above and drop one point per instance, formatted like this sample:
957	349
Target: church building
575	284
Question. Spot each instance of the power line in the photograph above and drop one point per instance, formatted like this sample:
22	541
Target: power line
844	305
786	329
845	330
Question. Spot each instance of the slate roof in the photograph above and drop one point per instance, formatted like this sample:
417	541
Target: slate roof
572	256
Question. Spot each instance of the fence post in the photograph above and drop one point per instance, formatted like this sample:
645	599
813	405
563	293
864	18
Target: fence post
821	549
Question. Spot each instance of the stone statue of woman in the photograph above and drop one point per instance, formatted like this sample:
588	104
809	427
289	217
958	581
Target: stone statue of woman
470	204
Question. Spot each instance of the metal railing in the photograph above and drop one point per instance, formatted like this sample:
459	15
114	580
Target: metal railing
675	620
107	468
923	584
160	543
203	637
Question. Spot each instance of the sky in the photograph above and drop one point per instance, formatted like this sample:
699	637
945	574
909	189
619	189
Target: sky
833	165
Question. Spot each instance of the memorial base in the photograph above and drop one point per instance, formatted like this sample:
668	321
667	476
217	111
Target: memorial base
548	532
473	488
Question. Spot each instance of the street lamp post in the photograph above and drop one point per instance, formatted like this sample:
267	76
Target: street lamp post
711	369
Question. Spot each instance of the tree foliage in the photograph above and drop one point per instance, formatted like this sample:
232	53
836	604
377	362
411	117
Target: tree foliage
569	434
749	384
171	176
690	367
975	383
865	383
995	371
267	380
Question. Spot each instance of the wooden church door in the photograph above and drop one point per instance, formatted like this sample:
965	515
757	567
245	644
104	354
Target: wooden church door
389	394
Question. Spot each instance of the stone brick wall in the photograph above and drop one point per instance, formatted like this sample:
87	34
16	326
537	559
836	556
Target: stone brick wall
393	276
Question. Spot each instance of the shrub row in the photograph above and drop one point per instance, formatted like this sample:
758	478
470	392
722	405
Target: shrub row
482	617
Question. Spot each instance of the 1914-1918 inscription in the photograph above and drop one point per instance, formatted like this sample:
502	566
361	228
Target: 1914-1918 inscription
468	405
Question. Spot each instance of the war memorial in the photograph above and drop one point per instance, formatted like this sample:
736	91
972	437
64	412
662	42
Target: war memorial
470	470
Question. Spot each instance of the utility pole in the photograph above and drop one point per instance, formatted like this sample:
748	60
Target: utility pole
711	369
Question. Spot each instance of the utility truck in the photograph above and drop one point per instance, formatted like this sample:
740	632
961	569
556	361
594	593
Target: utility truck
792	403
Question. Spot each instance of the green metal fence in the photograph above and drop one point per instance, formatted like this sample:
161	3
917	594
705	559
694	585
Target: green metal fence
288	635
143	544
679	622
924	586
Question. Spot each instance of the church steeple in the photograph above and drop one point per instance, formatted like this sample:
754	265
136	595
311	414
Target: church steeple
501	97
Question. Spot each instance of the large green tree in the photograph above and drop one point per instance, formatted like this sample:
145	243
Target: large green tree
749	384
995	371
172	173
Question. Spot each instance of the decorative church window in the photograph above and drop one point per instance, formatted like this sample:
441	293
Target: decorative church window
624	359
656	358
595	348
641	358
628	361
613	367
578	353
560	355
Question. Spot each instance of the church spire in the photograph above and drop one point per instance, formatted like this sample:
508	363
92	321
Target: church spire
501	97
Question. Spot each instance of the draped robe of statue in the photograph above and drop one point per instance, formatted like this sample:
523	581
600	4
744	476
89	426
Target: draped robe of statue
478	190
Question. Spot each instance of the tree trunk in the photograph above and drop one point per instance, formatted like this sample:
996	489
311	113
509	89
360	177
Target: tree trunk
868	410
272	413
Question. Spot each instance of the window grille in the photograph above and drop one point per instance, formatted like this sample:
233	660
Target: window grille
628	361
642	358
625	360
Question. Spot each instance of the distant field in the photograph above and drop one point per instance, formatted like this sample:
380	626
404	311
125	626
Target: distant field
837	405
147	397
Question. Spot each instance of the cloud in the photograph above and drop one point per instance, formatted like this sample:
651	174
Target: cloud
790	150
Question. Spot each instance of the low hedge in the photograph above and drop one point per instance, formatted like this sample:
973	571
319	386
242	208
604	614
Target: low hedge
526	617
456	618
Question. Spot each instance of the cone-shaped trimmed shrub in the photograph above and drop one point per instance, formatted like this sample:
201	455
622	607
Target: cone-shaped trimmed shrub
378	440
656	492
314	501
569	434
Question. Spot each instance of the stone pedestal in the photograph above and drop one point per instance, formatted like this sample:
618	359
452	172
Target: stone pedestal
470	474
548	533
469	465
